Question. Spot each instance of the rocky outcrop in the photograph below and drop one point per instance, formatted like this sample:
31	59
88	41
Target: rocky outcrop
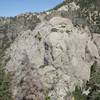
52	57
10	27
56	60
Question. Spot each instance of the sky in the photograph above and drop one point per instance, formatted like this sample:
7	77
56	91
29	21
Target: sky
15	7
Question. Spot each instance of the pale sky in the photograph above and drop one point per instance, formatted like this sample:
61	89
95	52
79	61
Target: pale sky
15	7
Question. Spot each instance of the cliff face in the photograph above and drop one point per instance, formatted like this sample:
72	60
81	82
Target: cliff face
47	56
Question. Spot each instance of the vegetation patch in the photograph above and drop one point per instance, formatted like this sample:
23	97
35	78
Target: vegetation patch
78	95
5	79
5	92
54	30
93	84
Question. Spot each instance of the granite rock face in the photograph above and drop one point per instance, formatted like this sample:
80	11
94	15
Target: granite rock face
53	58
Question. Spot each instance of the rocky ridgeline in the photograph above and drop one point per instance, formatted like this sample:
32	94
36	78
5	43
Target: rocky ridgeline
48	55
10	27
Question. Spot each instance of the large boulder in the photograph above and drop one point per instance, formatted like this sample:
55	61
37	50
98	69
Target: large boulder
51	60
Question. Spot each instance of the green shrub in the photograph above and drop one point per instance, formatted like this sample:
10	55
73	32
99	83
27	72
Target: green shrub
5	92
47	98
78	94
5	79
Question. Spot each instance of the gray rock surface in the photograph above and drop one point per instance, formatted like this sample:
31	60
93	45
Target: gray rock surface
51	58
56	61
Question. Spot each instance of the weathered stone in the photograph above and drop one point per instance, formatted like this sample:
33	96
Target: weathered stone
46	63
58	59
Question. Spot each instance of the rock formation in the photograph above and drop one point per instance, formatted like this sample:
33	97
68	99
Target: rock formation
48	55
